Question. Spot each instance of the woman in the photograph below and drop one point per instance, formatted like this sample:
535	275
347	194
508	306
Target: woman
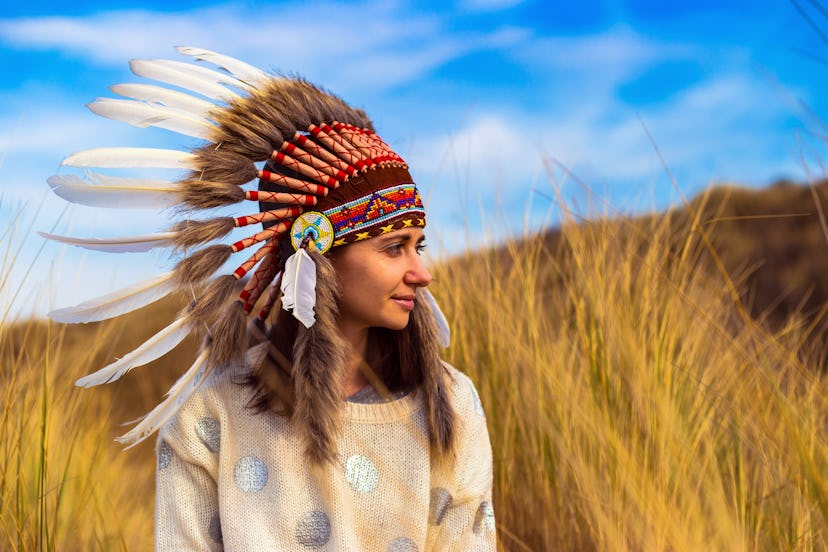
331	423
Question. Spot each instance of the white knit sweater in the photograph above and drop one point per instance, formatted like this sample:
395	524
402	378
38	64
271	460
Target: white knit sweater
231	479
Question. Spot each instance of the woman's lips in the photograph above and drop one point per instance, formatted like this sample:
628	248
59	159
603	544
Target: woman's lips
405	301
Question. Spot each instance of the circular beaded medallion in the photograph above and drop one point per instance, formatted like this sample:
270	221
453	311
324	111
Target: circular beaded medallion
316	227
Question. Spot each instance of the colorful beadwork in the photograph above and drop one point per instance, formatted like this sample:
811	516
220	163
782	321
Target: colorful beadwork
351	219
314	226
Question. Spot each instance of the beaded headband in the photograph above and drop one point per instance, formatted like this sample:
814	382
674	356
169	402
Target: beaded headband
327	180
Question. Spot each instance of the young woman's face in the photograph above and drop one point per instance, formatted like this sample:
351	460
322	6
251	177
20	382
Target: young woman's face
379	278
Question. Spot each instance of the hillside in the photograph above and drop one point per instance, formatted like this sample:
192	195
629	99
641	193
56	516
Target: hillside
770	241
650	383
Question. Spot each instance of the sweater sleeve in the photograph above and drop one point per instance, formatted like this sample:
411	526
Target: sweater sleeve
465	517
186	504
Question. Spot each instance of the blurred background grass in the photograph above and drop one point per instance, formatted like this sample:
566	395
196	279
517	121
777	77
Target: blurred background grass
650	383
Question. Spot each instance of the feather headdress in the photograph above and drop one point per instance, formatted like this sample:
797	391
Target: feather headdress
324	177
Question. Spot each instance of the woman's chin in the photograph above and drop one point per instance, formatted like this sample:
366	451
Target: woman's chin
394	323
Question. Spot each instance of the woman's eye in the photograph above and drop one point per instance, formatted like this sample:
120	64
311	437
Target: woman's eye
394	249
420	248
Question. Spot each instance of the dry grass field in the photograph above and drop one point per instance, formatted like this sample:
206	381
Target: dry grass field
653	383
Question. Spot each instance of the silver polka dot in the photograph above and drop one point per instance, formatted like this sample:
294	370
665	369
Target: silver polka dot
250	474
439	505
165	455
209	431
362	475
313	529
484	519
402	544
478	405
214	530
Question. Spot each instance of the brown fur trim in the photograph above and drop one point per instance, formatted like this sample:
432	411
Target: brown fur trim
202	264
220	165
195	232
272	381
318	369
256	354
277	122
255	125
204	194
229	334
367	120
281	336
244	133
212	298
420	359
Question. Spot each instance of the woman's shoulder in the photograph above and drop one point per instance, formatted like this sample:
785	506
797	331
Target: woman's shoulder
223	387
464	393
222	395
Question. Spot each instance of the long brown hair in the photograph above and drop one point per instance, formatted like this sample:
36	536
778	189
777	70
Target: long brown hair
300	371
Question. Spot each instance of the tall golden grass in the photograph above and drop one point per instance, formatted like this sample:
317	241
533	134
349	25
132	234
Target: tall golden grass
632	405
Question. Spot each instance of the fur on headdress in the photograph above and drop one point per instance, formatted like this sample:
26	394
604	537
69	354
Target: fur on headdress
320	154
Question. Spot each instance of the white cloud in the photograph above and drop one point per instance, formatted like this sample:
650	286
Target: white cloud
366	44
717	129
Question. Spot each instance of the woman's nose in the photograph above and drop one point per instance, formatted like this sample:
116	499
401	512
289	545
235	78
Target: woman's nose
418	274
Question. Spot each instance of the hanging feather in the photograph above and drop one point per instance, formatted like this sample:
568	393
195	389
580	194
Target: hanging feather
116	192
116	158
143	115
229	335
299	287
444	332
239	69
127	244
200	80
153	348
118	302
176	396
174	99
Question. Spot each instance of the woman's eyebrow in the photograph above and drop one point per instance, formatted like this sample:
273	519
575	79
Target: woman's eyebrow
400	237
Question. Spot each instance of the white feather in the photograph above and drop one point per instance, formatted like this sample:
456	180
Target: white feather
117	158
99	180
174	99
299	287
118	302
176	396
200	80
124	244
111	191
239	69
153	348
143	115
444	336
206	74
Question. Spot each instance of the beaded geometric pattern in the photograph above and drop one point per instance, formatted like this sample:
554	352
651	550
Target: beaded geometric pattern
351	219
316	227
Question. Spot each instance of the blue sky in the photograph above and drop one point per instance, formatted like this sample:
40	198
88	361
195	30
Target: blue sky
492	102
